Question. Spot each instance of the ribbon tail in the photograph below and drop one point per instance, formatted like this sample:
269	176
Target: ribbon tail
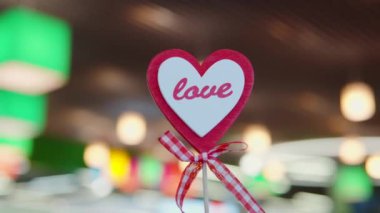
188	176
235	186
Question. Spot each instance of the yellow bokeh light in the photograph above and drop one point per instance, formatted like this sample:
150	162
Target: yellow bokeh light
131	128
357	102
352	151
258	138
372	166
119	166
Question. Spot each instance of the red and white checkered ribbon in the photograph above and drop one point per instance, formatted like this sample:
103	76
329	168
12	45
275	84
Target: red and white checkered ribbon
175	146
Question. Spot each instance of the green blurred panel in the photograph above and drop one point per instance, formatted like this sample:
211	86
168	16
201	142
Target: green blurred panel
24	145
28	108
56	154
35	38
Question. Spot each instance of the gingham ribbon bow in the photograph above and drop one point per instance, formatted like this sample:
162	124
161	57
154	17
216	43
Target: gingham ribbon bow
175	146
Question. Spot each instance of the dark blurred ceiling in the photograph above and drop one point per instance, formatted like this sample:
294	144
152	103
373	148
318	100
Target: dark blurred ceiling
303	53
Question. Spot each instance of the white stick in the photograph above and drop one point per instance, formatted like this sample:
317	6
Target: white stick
205	189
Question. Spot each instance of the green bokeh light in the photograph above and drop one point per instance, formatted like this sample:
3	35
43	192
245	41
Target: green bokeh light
150	171
352	184
259	186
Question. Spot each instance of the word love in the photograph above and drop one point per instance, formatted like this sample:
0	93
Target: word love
181	92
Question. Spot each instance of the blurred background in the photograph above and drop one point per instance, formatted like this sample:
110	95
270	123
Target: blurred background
78	128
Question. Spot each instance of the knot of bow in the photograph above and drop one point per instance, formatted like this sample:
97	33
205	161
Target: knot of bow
176	147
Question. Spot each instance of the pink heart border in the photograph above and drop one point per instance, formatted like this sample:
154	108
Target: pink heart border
201	144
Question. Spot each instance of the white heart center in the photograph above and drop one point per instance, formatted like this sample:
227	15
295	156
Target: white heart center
201	114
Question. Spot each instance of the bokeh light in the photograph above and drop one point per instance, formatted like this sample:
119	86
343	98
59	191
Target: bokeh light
257	137
352	151
250	164
372	166
357	101
150	171
274	170
120	166
96	154
131	128
352	184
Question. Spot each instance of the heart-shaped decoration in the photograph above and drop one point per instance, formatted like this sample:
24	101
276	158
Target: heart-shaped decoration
200	101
